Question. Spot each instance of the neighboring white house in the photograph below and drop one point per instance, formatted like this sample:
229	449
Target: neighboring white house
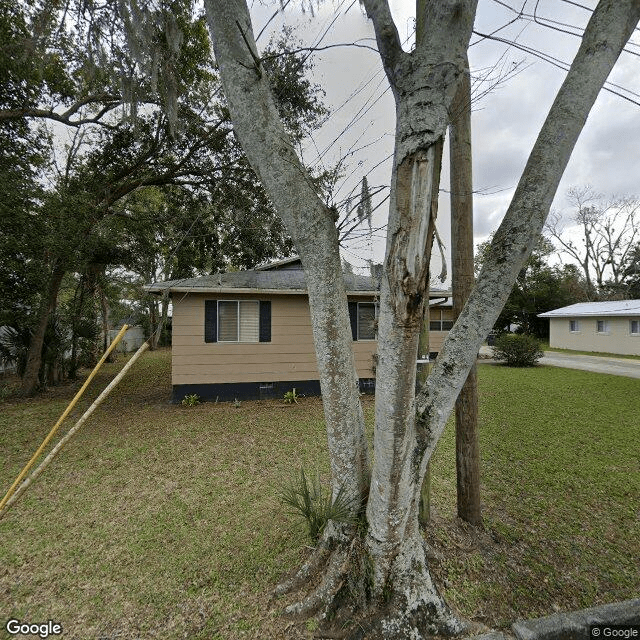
131	341
613	327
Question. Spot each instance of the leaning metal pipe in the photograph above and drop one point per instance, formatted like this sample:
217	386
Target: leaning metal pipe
54	452
62	418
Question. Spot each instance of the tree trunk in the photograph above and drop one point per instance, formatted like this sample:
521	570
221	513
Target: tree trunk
312	227
467	449
77	307
422	373
29	383
104	317
404	601
163	315
153	319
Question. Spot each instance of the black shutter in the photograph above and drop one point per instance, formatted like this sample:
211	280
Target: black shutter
265	320
211	321
353	318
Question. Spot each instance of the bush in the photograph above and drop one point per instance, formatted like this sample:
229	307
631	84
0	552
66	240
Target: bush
316	506
517	350
190	400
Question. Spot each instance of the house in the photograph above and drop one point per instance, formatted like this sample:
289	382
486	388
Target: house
612	327
247	334
132	339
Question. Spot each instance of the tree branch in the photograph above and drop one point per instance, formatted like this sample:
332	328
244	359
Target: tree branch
387	36
606	34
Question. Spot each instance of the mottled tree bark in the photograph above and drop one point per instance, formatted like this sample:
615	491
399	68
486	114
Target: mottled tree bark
405	602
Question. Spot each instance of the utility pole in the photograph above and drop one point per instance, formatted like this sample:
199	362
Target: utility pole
467	450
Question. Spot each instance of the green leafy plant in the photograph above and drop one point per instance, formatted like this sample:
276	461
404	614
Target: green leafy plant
236	403
316	506
291	397
191	400
517	350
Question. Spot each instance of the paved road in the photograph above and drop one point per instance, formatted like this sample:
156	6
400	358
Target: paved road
598	364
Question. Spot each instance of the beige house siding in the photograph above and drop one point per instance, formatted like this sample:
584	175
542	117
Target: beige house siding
289	356
617	338
436	338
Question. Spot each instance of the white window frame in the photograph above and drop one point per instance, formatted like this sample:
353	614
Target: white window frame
375	306
237	341
575	322
605	327
631	331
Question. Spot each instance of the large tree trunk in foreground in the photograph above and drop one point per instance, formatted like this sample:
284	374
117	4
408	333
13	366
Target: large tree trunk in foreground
29	383
424	84
404	601
312	227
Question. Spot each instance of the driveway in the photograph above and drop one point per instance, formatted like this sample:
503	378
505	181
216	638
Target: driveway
597	364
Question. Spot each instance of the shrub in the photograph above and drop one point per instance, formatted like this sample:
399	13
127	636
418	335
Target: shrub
517	350
191	400
316	506
291	397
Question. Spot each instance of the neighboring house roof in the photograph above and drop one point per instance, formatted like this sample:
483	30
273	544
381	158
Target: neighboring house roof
588	309
288	263
277	278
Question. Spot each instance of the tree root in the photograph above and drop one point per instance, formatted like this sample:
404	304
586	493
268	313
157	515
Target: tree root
309	568
325	593
409	606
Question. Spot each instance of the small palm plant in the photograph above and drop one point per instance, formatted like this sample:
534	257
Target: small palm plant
316	506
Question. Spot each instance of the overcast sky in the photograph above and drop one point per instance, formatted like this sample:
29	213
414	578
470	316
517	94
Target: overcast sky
505	122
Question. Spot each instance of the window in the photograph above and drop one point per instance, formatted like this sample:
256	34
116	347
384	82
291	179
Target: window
437	322
602	326
634	327
367	325
574	326
237	321
364	320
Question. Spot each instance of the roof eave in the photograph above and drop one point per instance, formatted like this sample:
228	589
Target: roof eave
236	290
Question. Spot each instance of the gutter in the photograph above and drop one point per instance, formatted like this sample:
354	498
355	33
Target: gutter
161	290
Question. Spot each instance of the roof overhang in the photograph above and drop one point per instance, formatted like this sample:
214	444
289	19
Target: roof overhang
237	291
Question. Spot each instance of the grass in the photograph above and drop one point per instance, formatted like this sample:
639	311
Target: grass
163	521
561	493
602	354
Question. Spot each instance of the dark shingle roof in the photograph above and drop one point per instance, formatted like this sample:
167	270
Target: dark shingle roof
279	280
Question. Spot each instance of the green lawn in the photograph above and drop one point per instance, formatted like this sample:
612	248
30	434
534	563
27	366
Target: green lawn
161	521
603	354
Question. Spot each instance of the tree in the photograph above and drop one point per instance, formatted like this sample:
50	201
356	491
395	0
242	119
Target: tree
539	287
405	603
632	273
117	151
608	231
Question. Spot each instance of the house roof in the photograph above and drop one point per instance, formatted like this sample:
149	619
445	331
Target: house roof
590	309
278	280
293	262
